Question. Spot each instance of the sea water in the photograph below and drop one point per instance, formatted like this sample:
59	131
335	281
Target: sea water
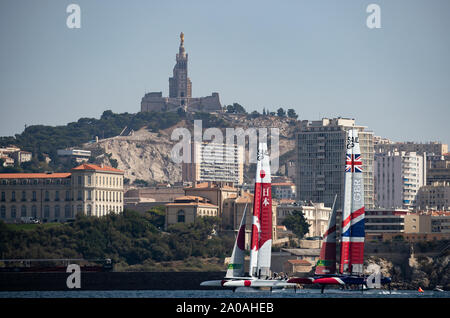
300	293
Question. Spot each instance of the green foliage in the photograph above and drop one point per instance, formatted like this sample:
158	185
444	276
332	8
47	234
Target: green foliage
130	238
296	223
291	113
157	216
254	114
281	112
235	109
210	120
140	183
40	139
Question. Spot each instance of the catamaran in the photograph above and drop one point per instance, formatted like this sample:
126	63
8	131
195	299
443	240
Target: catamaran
259	273
352	236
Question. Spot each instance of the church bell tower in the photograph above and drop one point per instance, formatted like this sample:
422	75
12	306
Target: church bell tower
180	85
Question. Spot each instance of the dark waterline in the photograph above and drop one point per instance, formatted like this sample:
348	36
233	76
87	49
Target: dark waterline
224	294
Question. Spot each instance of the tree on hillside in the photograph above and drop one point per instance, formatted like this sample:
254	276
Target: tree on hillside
236	109
296	223
281	112
291	113
255	114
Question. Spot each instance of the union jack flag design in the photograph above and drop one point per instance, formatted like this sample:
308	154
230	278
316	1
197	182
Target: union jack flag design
353	163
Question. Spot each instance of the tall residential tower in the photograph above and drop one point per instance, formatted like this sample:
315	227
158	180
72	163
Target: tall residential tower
321	149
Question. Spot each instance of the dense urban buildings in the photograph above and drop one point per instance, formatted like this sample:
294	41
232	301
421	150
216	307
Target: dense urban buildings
398	175
435	148
435	196
53	197
320	163
214	162
438	169
180	91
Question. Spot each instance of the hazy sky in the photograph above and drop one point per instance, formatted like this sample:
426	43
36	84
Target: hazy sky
317	57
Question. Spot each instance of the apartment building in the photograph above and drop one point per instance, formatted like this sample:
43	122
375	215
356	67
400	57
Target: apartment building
214	162
428	222
320	152
434	147
385	220
399	175
434	197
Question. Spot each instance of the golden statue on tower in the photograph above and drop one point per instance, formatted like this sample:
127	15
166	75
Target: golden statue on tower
182	38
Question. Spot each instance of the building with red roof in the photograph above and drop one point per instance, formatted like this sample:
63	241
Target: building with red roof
88	189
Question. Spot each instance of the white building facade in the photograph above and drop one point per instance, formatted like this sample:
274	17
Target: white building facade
215	162
398	177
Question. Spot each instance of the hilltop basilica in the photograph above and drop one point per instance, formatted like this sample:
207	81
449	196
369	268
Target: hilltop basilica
180	91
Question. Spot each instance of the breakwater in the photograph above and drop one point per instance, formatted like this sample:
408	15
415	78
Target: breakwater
17	281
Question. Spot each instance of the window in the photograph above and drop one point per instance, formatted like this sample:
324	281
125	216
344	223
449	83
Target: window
79	180
34	211
56	195
3	212
57	211
89	195
89	210
79	196
33	196
3	196
13	196
47	196
23	211
46	211
180	216
67	211
67	195
89	180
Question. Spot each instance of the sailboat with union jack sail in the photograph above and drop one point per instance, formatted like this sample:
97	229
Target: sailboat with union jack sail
352	230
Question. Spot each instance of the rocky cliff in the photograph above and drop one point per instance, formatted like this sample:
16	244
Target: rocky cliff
145	155
427	272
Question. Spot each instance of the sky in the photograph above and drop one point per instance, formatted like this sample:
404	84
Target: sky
315	56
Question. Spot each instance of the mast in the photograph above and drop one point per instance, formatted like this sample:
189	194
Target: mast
261	243
352	239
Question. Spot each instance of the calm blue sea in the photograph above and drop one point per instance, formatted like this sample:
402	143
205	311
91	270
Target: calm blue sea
303	293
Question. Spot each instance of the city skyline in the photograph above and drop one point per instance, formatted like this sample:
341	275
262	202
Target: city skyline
320	59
